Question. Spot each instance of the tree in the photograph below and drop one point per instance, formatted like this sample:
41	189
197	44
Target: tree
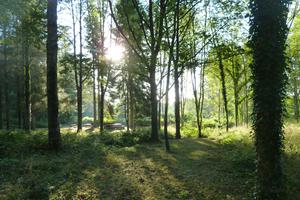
54	137
152	28
268	35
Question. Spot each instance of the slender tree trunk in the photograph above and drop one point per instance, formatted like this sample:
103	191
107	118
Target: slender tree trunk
131	108
79	108
94	94
296	99
235	92
202	75
166	110
177	104
1	97
126	109
54	137
236	104
6	81
27	89
99	98
19	102
182	106
224	92
80	82
196	100
246	95
176	74
201	99
101	108
219	105
154	119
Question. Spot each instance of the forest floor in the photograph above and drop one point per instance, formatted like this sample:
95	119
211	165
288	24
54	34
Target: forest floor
120	166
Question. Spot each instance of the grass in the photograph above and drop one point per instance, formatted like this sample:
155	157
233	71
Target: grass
122	166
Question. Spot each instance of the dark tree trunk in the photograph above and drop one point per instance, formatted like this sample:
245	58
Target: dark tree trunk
166	110
6	81
268	32
101	107
236	105
224	92
154	119
296	99
27	88
79	108
54	137
176	74
182	106
94	94
246	97
196	100
1	97
80	82
19	102
177	104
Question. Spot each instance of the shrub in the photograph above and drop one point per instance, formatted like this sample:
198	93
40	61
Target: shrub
143	121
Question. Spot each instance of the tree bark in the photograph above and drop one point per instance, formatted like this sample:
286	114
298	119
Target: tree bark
154	119
27	89
296	99
54	137
19	102
224	92
6	81
176	74
101	106
79	89
268	30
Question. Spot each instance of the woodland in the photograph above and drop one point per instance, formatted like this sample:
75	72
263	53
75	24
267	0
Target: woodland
149	99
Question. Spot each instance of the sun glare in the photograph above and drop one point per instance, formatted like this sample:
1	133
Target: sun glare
115	53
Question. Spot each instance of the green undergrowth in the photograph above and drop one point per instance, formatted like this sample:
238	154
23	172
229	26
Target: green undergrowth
119	165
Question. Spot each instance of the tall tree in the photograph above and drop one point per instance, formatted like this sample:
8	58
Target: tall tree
152	27
54	137
268	35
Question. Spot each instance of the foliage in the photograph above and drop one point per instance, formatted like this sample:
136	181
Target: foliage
268	33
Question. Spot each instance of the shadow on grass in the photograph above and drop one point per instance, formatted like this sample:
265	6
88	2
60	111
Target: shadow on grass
90	167
198	169
82	170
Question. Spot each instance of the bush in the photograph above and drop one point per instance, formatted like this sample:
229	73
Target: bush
124	138
88	119
189	131
143	121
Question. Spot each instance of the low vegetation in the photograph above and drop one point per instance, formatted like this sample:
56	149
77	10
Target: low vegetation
120	165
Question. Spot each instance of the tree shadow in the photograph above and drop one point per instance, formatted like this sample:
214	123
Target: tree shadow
86	168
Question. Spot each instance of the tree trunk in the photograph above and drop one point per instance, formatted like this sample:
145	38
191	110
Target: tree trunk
19	102
196	100
236	104
166	110
101	107
79	108
154	119
80	84
94	94
182	106
222	75
1	98
6	81
296	99
268	30
177	103
54	137
176	74
27	88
